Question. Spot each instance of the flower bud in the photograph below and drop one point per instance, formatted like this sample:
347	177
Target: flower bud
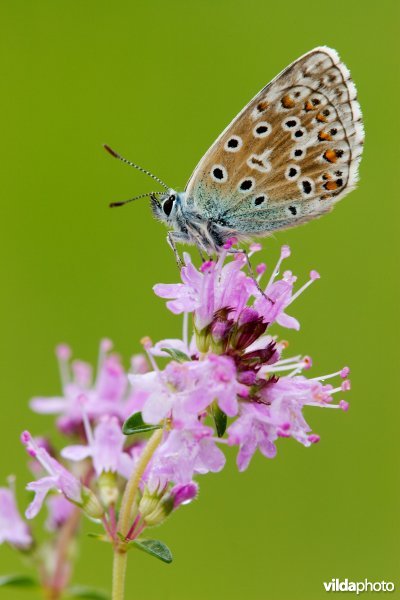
184	493
153	508
90	504
158	516
203	339
108	488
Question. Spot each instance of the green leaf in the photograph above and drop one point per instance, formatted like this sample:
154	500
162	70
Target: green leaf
176	354
155	548
220	419
87	593
18	581
135	424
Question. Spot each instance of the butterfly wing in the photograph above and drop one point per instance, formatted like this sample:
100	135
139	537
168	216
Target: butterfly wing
289	155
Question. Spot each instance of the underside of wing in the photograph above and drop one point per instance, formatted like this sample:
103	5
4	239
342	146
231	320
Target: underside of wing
291	153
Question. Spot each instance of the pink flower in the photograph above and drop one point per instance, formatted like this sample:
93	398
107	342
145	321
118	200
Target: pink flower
250	431
231	367
215	379
280	415
12	527
224	285
105	447
59	478
203	292
107	394
187	452
185	389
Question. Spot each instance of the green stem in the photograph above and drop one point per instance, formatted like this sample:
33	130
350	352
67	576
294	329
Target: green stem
119	572
125	515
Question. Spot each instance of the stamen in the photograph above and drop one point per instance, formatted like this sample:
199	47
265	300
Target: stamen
342	388
105	347
260	270
255	247
86	423
328	405
285	253
287	364
273	369
289	360
147	344
343	373
35	451
313	276
295	372
63	353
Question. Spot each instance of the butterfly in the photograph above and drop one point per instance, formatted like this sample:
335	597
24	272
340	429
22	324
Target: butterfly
285	159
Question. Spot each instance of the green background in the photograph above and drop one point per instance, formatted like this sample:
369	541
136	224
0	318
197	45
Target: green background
158	81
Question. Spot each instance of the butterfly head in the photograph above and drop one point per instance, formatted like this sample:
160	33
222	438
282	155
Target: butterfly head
187	225
165	207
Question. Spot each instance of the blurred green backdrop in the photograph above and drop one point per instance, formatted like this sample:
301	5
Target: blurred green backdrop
158	81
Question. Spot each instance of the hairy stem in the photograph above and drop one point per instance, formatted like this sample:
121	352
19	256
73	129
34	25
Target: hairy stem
125	515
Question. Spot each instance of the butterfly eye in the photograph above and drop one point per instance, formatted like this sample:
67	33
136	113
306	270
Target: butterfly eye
168	204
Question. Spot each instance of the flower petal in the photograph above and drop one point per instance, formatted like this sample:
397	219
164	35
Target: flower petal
76	453
41	489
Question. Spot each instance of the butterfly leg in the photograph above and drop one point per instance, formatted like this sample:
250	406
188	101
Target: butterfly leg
175	236
201	254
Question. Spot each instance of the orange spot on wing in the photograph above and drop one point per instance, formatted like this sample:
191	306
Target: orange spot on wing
262	106
331	186
308	106
324	137
287	101
330	156
320	117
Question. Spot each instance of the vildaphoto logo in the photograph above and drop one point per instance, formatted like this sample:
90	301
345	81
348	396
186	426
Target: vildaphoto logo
345	585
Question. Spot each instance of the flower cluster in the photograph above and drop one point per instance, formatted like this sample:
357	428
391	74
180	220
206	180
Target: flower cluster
226	381
233	363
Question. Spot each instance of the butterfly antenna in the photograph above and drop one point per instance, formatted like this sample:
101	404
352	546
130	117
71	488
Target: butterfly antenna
115	204
131	164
